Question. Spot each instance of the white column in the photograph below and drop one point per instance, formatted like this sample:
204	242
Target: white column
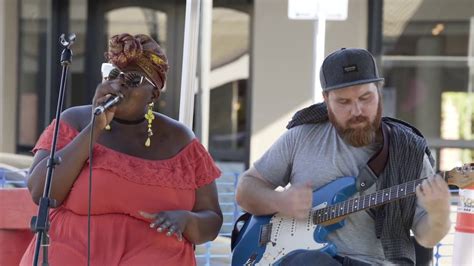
8	74
205	70
190	47
319	38
2	75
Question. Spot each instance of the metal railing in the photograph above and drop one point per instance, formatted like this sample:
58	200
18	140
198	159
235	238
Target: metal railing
217	252
13	178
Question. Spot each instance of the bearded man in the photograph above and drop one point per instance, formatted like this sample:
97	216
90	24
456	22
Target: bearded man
344	137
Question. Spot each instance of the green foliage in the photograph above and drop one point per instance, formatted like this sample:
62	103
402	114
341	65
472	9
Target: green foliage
463	102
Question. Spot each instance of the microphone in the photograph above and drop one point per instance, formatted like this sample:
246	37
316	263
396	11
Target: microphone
111	101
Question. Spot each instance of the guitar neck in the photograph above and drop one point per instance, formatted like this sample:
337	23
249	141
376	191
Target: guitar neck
368	201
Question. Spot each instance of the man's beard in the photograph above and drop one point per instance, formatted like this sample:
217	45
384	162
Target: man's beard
360	136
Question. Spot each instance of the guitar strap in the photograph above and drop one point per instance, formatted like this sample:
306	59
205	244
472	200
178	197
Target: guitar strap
369	173
238	226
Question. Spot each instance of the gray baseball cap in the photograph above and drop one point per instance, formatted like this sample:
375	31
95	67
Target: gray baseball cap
348	67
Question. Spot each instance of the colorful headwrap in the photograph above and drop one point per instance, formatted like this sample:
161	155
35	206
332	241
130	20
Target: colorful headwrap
139	50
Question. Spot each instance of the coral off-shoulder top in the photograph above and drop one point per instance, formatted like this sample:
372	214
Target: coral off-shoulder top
122	186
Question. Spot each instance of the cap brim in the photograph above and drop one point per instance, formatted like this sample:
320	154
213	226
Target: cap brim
348	84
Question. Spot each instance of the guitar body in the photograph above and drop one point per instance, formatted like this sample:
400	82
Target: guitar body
264	240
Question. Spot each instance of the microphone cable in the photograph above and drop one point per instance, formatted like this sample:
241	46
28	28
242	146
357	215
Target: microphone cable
91	148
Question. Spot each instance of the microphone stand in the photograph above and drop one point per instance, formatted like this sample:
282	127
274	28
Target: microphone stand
40	223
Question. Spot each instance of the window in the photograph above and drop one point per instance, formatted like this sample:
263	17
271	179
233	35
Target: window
427	59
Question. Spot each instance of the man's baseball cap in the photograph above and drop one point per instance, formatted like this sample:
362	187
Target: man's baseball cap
348	67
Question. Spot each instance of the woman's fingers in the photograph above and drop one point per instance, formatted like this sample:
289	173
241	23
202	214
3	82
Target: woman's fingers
162	223
107	88
102	99
164	226
158	221
172	229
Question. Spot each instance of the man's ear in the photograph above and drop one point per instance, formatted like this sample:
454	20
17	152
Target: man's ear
325	96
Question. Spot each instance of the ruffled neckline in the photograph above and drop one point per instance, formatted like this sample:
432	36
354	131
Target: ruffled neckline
190	168
186	149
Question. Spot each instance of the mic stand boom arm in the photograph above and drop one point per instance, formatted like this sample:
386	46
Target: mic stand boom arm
40	223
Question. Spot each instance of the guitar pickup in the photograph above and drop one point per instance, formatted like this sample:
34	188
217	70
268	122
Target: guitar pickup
265	234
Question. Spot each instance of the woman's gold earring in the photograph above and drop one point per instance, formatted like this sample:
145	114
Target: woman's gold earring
149	116
107	127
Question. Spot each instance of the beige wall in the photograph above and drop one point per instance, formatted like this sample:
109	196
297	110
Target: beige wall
352	32
282	64
8	73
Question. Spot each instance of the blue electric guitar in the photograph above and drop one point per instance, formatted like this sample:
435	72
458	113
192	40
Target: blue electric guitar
264	240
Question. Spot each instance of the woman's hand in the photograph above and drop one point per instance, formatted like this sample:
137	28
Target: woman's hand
171	222
103	92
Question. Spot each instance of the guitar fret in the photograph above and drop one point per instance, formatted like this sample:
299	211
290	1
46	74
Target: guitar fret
393	193
412	187
403	190
409	189
363	202
386	195
346	207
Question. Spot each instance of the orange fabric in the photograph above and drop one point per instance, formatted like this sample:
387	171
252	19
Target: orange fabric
123	185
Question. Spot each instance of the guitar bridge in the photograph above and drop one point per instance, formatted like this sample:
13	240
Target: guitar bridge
265	234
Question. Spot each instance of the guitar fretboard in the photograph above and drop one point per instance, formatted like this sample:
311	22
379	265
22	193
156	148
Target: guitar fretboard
365	202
